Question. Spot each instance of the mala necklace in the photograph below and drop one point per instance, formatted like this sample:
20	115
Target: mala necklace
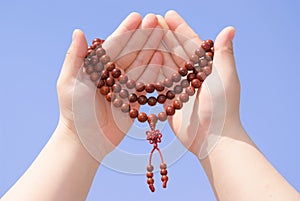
117	89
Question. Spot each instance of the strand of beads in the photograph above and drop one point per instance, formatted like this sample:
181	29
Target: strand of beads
122	91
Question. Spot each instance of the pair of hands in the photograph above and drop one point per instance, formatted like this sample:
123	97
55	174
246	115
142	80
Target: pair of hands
150	66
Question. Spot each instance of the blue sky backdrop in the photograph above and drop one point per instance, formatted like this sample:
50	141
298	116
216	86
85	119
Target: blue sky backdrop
34	38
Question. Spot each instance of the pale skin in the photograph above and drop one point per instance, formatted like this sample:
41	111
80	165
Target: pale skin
237	170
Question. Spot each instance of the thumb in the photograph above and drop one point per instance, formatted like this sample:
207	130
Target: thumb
75	55
224	59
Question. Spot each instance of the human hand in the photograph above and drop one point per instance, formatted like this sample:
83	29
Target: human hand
215	110
98	125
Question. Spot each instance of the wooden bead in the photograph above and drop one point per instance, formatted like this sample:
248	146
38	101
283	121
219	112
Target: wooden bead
159	86
117	102
132	97
170	94
110	66
196	83
99	67
133	113
101	83
190	90
149	88
149	174
139	87
168	82
207	70
184	83
209	56
124	93
177	104
202	62
163	171
182	71
116	88
142	117
201	76
176	77
194	58
170	110
110	81
163	166
94	60
104	59
184	97
152	101
164	178
150	181
123	79
104	74
110	96
189	65
116	73
161	98
150	168
178	89
104	90
142	99
152	118
100	52
125	107
206	46
191	76
200	52
94	76
130	84
162	116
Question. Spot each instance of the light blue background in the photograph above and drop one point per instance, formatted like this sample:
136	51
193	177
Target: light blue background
34	38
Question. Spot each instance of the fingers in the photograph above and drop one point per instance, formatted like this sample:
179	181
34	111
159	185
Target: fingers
116	42
75	55
184	33
142	38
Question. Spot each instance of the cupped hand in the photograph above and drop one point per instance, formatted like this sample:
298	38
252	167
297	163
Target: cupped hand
215	109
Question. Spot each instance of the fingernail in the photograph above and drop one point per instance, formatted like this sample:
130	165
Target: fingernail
74	35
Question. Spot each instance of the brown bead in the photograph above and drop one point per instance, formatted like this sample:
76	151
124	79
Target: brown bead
117	102
178	89
191	76
185	83
209	56
200	52
210	42
161	98
190	90
196	83
150	168
104	59
152	101
184	97
139	86
94	60
164	178
207	70
86	62
99	67
163	171
150	181
94	76
176	77
132	97
116	88
96	40
152	118
101	83
123	93
149	88
123	79
89	52
170	110
182	71
133	113
202	62
125	107
168	82
163	166
177	104
116	72
194	58
89	69
104	90
162	116
159	86
209	64
110	96
170	94
110	81
142	99
130	84
142	117
100	52
201	76
110	66
189	65
149	174
104	74
206	45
